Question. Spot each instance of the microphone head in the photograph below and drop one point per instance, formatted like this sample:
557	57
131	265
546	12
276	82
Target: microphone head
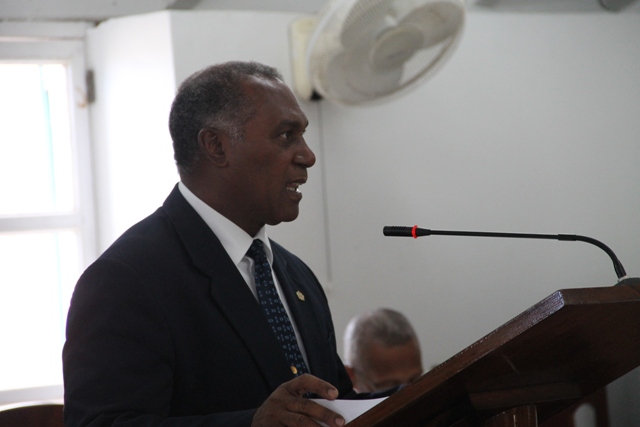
394	230
402	231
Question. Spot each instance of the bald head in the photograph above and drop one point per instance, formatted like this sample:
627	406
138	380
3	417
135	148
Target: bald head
381	350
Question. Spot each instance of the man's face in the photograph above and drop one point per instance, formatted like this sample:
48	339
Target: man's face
386	367
269	165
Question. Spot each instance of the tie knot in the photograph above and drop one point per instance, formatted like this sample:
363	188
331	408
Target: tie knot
256	251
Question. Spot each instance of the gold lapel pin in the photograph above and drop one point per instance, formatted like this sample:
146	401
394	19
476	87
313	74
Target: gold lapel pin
300	295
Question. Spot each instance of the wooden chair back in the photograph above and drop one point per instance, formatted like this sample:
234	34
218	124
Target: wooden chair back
32	415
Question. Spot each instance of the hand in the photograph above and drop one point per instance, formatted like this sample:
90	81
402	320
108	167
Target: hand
287	407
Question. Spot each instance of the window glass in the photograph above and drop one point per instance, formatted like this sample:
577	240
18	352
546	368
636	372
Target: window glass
42	229
38	275
36	163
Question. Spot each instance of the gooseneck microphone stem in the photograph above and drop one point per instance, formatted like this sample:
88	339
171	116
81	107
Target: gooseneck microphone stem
416	232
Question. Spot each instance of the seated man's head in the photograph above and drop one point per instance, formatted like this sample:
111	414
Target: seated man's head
381	351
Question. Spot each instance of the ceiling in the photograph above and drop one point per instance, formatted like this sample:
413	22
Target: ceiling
99	10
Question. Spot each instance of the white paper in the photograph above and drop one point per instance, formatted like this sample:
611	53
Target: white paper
349	409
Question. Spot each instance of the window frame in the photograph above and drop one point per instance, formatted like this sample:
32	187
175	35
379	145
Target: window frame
54	42
64	42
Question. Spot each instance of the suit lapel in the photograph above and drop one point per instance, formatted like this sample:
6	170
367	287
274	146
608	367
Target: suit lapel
240	307
305	313
229	290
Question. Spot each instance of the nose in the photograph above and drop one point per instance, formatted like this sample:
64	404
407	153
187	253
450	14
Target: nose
305	157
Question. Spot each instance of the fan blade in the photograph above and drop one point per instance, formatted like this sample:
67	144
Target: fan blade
438	21
331	80
366	78
364	21
394	47
349	79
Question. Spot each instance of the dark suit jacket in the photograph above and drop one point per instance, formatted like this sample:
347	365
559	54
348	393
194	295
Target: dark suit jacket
163	329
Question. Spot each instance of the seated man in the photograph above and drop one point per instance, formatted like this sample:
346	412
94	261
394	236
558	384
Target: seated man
381	351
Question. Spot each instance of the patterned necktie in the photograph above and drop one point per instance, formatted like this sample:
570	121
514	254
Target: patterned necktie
273	308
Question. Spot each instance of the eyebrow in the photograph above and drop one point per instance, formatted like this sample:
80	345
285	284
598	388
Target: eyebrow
293	124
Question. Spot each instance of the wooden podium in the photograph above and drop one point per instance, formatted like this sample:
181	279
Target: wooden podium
562	349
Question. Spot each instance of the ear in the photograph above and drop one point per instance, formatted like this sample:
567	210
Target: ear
213	145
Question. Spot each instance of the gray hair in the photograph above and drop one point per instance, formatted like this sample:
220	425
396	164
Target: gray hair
212	97
383	325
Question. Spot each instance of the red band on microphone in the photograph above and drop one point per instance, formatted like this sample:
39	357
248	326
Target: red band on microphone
413	231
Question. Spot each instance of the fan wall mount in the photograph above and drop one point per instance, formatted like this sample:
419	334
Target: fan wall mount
364	51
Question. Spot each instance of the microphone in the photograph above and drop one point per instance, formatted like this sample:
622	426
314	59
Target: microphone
415	232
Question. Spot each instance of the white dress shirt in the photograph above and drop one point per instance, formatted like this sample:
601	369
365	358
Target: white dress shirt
237	242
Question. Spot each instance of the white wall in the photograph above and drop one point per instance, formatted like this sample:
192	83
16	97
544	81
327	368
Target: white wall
531	127
135	84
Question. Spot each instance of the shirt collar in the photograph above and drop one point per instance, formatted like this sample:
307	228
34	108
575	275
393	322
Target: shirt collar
234	239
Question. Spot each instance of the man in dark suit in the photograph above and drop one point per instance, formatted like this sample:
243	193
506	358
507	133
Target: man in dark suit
165	327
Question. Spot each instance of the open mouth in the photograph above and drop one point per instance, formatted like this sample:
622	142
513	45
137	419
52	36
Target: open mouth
294	187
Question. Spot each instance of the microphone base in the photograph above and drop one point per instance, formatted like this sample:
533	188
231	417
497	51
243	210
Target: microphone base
629	281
